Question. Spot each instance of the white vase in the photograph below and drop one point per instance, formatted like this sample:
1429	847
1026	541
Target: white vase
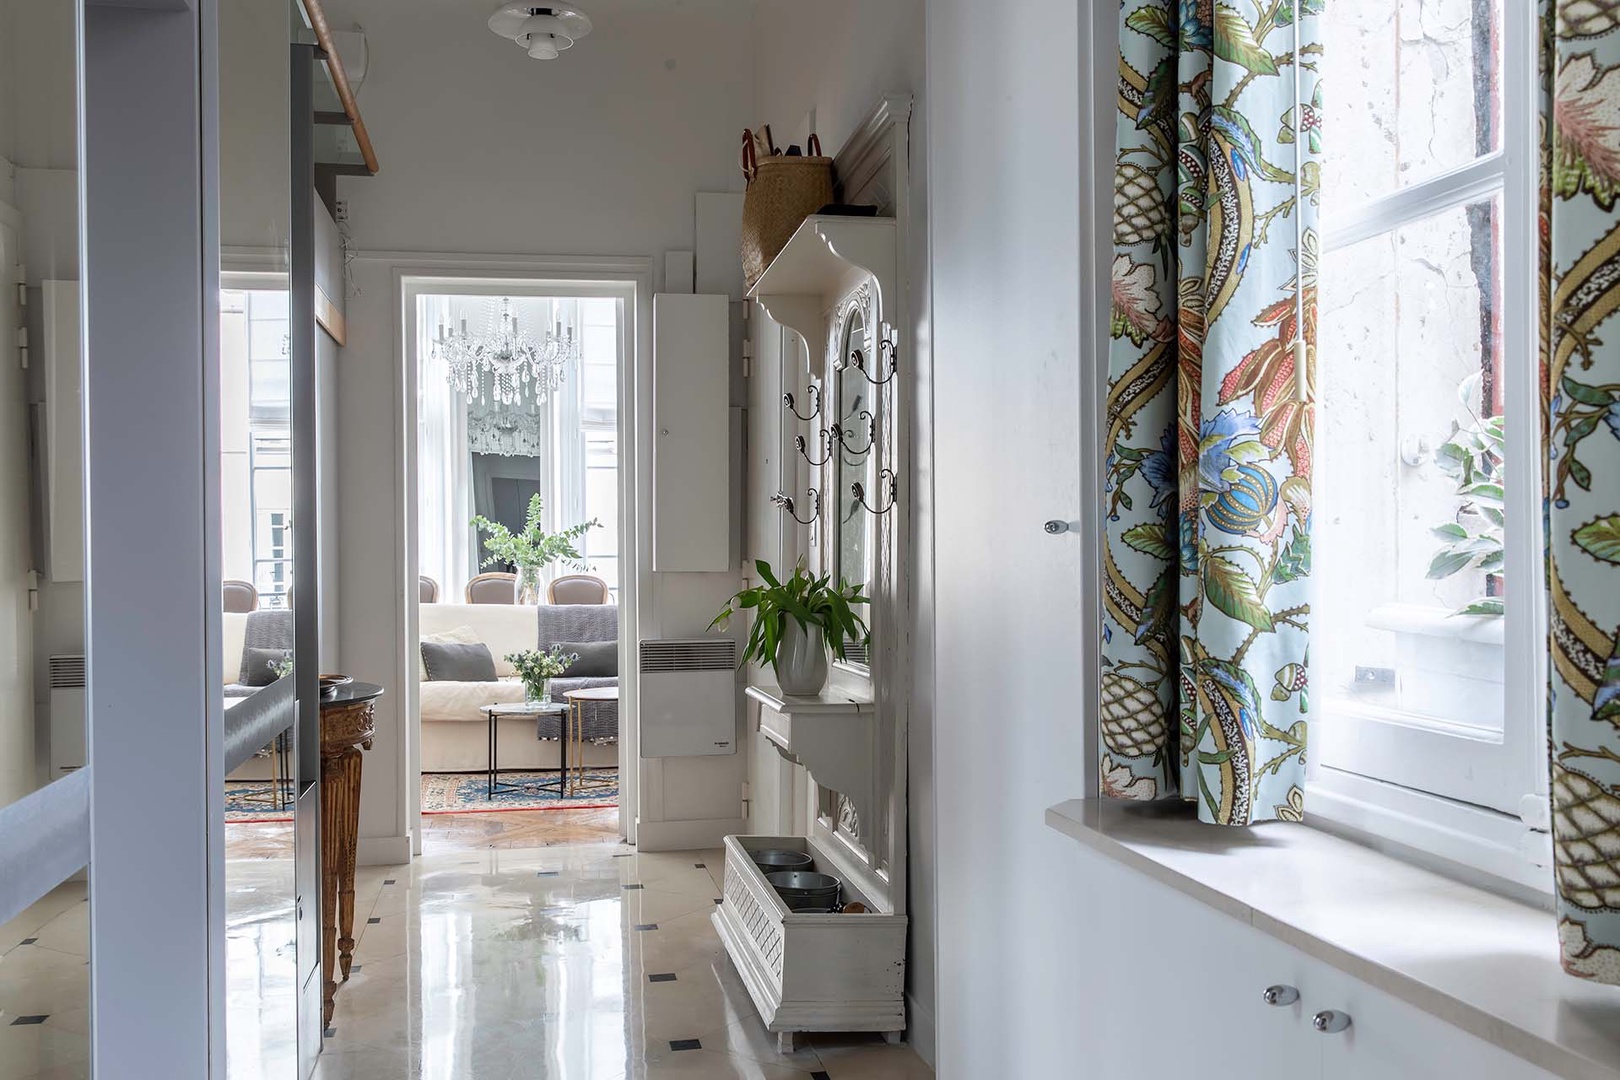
801	660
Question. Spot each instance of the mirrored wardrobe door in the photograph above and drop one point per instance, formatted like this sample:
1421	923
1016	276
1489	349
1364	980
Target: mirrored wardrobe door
260	556
44	826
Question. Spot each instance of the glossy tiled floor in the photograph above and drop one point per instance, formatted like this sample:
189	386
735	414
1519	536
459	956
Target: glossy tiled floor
498	955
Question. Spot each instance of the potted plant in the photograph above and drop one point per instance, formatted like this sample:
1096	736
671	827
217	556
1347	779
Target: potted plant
1472	539
795	623
537	669
533	549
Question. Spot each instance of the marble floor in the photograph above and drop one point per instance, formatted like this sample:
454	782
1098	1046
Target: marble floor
511	948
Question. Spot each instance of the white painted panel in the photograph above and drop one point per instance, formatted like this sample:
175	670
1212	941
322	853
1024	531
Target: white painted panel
719	243
678	272
16	622
64	432
691	433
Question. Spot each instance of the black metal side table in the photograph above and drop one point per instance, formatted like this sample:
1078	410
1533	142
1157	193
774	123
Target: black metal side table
492	716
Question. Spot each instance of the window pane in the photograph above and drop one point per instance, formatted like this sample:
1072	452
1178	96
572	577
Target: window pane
1410	406
1412	87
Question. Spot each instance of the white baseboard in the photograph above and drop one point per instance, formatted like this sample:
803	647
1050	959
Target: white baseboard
687	835
383	850
920	1031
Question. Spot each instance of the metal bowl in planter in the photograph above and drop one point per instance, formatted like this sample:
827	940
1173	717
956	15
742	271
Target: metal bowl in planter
801	889
777	861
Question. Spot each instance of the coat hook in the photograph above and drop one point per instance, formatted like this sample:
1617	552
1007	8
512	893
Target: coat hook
840	434
885	477
886	353
785	501
814	394
826	446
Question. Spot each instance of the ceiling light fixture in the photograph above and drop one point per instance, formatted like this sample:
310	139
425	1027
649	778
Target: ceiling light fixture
542	32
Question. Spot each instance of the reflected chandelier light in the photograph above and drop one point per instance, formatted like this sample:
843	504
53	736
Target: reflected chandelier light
507	363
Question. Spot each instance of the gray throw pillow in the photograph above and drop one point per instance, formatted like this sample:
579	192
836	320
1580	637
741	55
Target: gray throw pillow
448	661
259	666
597	659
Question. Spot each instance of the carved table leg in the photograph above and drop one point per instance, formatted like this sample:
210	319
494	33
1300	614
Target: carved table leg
340	826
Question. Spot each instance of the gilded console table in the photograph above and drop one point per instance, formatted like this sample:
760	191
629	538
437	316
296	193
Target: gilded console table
347	725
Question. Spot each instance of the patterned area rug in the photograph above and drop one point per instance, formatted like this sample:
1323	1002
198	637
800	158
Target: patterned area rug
449	793
468	793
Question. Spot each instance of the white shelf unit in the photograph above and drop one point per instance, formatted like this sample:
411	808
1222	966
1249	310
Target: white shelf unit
828	258
834	735
843	972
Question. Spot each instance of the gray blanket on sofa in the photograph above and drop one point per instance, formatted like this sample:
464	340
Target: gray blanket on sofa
581	622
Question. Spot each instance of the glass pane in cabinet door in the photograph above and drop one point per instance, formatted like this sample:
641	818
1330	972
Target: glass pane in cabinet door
45	932
855	452
1412	589
256	550
1409	84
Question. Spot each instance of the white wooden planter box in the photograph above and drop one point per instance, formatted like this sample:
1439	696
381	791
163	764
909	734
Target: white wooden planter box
811	972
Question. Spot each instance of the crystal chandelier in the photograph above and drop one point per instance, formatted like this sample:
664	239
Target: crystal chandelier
507	363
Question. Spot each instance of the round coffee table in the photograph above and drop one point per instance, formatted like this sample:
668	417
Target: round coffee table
577	701
493	715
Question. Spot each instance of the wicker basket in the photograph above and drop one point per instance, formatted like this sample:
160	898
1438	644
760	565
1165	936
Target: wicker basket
782	192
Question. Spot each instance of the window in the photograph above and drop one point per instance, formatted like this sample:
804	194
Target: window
1425	655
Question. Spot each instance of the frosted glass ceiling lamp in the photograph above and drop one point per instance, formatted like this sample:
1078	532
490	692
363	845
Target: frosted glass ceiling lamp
543	32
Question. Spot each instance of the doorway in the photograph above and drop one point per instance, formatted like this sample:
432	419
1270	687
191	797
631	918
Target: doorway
520	414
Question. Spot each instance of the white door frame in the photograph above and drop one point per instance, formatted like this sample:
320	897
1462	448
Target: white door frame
629	279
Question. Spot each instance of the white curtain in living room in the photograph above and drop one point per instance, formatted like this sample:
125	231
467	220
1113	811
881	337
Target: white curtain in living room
444	462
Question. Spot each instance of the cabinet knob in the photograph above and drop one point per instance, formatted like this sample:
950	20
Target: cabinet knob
1330	1021
1280	995
1055	527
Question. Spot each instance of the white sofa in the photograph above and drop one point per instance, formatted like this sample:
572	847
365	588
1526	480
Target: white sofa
454	733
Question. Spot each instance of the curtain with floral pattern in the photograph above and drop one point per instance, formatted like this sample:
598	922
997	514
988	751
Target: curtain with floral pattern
1580	237
1207	547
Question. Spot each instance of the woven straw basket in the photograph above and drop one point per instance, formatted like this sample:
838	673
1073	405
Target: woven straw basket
782	192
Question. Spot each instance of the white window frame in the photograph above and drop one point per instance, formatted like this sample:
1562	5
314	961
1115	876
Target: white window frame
1467	797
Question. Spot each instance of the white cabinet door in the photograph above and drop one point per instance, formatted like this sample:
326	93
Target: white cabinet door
1180	988
692	433
1391	1040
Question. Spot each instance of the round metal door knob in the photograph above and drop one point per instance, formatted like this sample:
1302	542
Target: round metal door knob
1330	1021
1280	995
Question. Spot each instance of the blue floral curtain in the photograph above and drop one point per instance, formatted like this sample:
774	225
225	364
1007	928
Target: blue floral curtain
1580	234
1208	485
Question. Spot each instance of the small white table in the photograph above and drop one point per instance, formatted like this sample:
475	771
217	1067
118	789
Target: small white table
493	714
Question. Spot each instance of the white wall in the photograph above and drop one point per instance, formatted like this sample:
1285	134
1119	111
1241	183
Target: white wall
834	60
486	151
1007	162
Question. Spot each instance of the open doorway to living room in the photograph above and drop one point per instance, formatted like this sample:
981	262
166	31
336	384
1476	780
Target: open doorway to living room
518	540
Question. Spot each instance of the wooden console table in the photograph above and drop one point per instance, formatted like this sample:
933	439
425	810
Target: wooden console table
347	726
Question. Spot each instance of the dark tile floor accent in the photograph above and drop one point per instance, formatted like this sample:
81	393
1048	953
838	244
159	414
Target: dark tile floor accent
388	881
700	866
546	873
624	855
685	1044
663	976
23	1021
373	921
356	967
820	1076
634	887
329	1032
645	926
28	941
719	899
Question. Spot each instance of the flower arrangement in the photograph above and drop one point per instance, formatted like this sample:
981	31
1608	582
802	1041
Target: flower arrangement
283	667
1473	540
808	600
537	669
532	546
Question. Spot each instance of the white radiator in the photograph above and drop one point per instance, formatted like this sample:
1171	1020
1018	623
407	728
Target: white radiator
688	697
67	713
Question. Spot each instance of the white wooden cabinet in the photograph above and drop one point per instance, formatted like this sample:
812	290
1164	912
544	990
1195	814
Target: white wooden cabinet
692	502
1179	989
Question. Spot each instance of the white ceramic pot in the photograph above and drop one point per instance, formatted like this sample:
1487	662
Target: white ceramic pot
801	660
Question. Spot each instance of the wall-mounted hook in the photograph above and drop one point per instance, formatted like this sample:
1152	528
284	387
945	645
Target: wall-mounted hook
887	359
826	447
785	501
885	479
840	434
814	393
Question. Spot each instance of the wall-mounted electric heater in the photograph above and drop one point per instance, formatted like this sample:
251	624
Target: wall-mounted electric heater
67	713
688	697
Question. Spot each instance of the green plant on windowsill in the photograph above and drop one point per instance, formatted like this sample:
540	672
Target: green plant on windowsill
814	603
1472	540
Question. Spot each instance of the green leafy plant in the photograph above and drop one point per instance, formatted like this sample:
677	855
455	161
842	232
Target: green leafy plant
1472	540
283	667
535	667
532	546
804	598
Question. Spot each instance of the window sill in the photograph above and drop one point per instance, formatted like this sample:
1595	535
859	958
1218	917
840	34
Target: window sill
1338	901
